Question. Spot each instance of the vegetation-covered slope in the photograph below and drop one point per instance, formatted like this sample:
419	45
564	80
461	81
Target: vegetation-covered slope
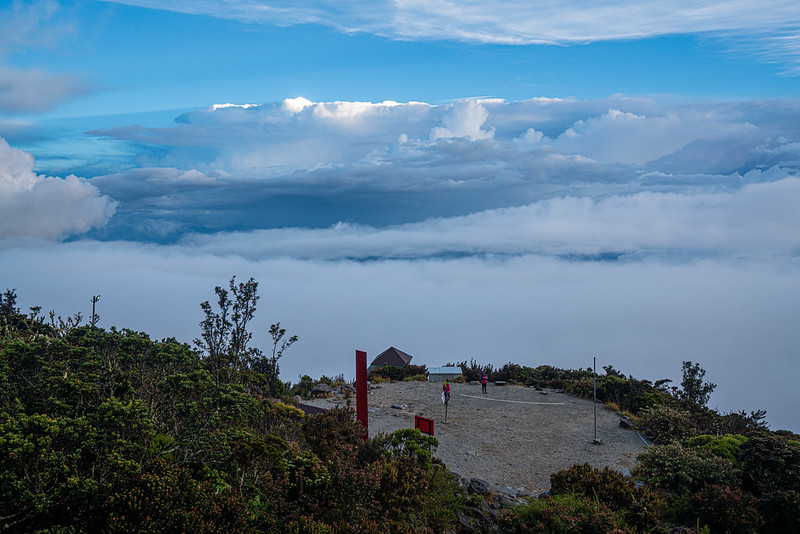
110	431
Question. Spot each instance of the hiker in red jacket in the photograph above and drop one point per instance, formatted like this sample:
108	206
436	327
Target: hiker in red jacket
484	381
446	391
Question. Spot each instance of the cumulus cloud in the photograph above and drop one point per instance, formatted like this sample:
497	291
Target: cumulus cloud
298	163
298	135
32	205
464	119
278	138
520	22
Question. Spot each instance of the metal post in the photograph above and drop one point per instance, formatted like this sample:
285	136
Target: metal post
361	392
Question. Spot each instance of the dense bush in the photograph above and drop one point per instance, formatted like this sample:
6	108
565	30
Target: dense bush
726	446
726	509
110	431
678	469
398	373
638	506
665	424
562	514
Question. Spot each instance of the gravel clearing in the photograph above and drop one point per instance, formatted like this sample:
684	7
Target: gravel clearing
512	437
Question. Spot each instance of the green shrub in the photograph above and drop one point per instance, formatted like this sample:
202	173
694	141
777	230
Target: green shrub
726	446
665	424
398	373
770	463
638	506
409	442
303	388
561	514
679	469
726	509
416	378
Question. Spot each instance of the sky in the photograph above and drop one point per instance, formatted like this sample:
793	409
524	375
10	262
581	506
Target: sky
539	182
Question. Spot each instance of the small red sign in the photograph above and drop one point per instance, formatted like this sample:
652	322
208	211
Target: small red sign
424	425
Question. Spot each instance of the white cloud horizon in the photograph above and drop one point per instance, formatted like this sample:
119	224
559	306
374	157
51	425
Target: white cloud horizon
734	316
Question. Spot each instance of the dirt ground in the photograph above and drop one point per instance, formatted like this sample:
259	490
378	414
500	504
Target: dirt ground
512	436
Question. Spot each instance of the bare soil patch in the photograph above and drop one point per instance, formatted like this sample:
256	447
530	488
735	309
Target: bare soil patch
512	436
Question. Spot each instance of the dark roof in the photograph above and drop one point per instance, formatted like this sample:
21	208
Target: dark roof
392	357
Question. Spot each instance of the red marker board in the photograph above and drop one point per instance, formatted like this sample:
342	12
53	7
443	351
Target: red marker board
424	425
361	392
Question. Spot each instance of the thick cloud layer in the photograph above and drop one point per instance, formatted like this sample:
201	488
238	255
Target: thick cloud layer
314	165
736	317
32	205
755	221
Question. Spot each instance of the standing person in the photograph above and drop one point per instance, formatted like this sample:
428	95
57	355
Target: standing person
446	391
484	381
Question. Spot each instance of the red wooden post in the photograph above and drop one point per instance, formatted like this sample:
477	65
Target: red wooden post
361	391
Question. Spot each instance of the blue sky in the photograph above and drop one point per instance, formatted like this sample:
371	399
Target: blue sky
541	182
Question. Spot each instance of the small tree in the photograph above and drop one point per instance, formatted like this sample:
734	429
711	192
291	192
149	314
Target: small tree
224	334
269	366
693	389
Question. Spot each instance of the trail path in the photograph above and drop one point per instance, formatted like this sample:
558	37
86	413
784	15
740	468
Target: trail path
513	436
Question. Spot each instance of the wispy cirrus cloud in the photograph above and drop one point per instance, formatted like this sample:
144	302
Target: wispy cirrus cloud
25	25
520	23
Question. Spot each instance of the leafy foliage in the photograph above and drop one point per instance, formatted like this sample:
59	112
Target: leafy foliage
398	373
638	507
562	514
693	389
725	446
677	468
111	431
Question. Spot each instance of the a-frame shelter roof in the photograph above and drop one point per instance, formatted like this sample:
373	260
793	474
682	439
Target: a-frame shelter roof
392	357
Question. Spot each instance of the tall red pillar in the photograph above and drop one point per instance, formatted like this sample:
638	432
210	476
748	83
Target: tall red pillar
361	391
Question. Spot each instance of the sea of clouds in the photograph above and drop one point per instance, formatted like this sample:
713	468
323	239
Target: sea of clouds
640	231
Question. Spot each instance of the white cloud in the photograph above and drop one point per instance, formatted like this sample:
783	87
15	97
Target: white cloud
29	25
737	318
463	119
32	205
773	24
34	90
280	139
303	163
630	138
506	21
758	220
